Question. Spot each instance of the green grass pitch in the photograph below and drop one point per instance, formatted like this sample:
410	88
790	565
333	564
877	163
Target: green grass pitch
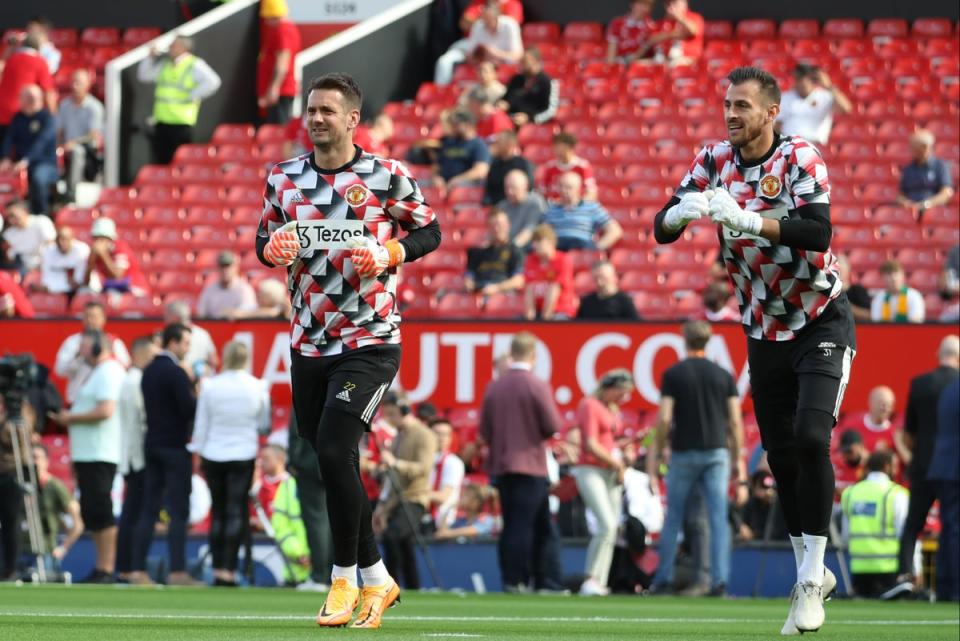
108	613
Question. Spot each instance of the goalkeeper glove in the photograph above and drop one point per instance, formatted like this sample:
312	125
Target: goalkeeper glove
691	207
370	258
725	210
283	247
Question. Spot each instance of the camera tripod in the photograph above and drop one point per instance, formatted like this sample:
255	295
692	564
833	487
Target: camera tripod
27	481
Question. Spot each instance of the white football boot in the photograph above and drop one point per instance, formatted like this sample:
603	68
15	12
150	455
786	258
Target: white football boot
789	628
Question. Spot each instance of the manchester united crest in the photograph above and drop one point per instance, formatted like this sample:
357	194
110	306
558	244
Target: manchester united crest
770	186
357	195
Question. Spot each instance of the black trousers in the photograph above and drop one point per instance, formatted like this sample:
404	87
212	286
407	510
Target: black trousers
280	112
400	544
129	516
526	525
166	484
11	507
922	495
166	139
229	483
948	550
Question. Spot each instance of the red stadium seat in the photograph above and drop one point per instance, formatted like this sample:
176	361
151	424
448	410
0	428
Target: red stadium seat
537	134
64	37
270	133
466	195
157	175
797	28
156	215
218	237
626	259
201	194
138	307
810	49
135	36
717	29
587	132
193	154
248	174
232	134
539	32
49	305
78	218
457	305
864	259
166	238
244	194
98	57
889	27
176	282
931	28
230	153
913	258
213	215
100	36
756	28
641	280
654	305
443	282
504	306
843	28
200	174
576	32
157	194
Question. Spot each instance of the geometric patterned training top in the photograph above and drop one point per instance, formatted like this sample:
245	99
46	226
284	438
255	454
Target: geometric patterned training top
334	311
779	289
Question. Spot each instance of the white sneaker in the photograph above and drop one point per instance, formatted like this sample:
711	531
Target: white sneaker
829	584
789	628
591	587
312	586
808	613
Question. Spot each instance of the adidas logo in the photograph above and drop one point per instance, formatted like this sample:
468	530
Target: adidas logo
344	395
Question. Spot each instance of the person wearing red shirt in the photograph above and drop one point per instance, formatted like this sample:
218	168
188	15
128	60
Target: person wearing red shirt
849	461
512	8
490	119
374	138
273	473
23	68
549	278
279	43
13	300
628	37
112	260
680	32
565	159
876	426
599	472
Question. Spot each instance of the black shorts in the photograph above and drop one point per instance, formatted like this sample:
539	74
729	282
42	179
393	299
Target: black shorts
95	481
809	372
352	382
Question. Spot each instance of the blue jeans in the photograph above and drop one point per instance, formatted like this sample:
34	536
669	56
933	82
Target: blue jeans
41	177
711	469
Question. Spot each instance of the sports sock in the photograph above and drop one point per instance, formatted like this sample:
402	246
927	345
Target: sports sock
376	574
348	573
811	570
797	542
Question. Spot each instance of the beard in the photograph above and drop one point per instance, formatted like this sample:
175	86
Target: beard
331	140
747	134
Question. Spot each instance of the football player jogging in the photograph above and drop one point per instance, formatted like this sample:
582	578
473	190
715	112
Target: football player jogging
332	217
770	196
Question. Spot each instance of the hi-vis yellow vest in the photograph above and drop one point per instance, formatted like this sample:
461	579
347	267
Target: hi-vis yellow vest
874	543
172	104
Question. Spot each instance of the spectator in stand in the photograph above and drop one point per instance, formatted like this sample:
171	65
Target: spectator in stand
94	427
715	308
874	511
276	79
272	302
523	207
39	28
182	80
27	236
25	67
950	287
857	294
548	275
531	95
463	158
599	473
228	292
916	442
579	223
493	37
70	363
497	266
566	160
897	303
518	417
926	182
57	509
511	8
607	302
490	119
202	357
80	125
943	470
807	109
700	400
628	37
133	427
30	145
63	265
407	465
233	408
876	425
505	150
112	265
679	37
374	138
756	514
296	140
13	300
849	465
446	477
475	522
487	84
286	518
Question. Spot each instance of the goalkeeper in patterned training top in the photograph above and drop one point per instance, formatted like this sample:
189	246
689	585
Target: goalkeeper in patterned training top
332	218
771	197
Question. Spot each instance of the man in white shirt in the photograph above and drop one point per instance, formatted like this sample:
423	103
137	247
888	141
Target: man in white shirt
494	37
80	125
63	265
446	477
898	302
807	109
27	235
202	357
70	363
94	427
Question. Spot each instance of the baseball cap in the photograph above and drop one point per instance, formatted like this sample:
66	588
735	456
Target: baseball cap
848	439
104	228
226	258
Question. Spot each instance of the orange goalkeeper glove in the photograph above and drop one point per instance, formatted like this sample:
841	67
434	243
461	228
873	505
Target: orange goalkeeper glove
370	258
282	248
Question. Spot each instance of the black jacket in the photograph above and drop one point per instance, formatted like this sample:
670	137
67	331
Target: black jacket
169	402
921	416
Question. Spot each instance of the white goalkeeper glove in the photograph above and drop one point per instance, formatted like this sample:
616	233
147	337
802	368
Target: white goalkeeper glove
370	258
725	210
692	206
283	247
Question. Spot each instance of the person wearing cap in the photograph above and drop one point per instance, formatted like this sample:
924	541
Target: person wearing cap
807	109
848	460
463	158
228	291
182	81
30	144
112	265
279	43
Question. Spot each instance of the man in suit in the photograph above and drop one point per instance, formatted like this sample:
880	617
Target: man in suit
915	445
943	470
517	417
170	404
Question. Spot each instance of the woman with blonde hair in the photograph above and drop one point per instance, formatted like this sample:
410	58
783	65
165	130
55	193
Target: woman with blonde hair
233	407
599	473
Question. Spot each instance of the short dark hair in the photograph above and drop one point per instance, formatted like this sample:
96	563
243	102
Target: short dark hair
565	138
879	461
173	333
696	335
18	203
890	267
342	82
43	21
141	342
94	303
535	52
768	84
